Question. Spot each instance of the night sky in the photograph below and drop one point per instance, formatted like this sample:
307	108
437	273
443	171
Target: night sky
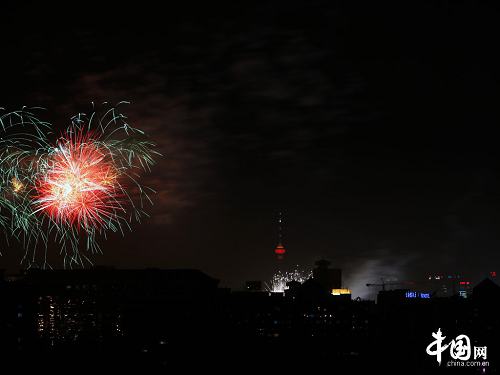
372	127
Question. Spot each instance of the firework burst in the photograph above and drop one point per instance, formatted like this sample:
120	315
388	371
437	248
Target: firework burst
79	185
279	281
71	191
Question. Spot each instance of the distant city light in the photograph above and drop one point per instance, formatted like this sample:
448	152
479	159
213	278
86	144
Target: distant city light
338	292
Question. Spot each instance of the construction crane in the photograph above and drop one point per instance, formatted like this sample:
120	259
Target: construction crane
384	283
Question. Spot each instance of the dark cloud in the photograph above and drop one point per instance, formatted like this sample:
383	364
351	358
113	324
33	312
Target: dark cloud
370	126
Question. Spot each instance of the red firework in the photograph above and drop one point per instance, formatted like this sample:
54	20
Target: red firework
79	186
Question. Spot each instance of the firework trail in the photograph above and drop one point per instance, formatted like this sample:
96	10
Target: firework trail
74	189
278	283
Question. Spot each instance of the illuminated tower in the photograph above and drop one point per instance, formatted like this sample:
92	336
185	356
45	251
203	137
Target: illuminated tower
280	250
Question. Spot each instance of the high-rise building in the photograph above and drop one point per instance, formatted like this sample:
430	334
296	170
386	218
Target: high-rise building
328	278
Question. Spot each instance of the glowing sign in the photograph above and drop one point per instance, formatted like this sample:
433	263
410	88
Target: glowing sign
417	295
